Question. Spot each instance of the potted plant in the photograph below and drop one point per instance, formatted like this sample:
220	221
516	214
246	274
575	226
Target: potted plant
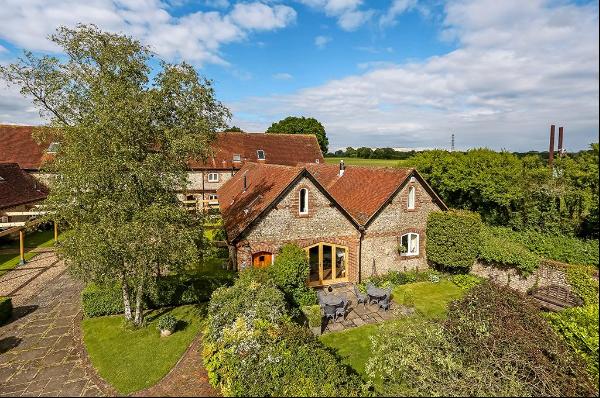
314	317
402	249
166	325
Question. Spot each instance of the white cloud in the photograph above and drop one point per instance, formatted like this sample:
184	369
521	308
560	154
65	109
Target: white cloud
282	76
321	41
217	3
196	37
518	68
347	12
397	8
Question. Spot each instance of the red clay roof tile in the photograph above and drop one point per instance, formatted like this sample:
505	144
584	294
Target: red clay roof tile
18	146
17	187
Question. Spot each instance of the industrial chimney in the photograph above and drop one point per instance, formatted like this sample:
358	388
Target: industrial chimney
551	150
560	141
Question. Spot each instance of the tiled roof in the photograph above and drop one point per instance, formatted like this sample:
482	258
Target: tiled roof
18	146
265	182
360	192
17	187
284	149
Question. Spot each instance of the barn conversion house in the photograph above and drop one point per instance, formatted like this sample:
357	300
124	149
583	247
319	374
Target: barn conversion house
351	221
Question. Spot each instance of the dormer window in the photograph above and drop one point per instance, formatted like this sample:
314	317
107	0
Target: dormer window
53	147
237	157
213	177
303	201
411	198
260	154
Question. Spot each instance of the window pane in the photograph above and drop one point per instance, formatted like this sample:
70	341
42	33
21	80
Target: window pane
313	259
404	243
411	198
413	244
327	262
303	197
340	262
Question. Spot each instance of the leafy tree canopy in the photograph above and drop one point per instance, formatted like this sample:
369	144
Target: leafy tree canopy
233	129
301	125
126	134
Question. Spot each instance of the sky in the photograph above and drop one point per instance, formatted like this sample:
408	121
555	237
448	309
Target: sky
396	73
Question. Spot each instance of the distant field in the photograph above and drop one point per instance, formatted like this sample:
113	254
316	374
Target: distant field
368	162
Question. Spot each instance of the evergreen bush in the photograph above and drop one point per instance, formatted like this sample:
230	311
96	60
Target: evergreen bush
6	309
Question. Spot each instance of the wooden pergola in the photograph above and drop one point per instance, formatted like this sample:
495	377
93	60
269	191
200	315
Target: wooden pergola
21	226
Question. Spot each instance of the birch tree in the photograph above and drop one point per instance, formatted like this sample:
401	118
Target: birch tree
127	123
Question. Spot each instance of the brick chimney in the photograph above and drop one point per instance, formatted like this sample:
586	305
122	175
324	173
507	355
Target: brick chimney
551	149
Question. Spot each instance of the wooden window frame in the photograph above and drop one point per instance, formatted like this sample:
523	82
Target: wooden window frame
334	279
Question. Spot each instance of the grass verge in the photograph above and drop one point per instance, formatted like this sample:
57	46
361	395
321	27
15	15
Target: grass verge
134	359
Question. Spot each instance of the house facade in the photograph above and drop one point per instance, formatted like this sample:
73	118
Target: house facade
19	193
352	222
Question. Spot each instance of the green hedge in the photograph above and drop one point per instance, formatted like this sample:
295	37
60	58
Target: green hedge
586	287
453	239
6	309
172	290
504	251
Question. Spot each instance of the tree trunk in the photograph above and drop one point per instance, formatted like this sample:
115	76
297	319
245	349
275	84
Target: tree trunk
138	303
126	301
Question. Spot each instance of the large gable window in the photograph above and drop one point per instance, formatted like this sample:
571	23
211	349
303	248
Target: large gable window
409	244
411	198
303	203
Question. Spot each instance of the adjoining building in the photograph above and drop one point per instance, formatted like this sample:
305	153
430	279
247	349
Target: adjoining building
19	193
352	221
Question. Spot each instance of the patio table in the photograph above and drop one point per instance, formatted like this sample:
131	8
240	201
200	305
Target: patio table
332	300
377	292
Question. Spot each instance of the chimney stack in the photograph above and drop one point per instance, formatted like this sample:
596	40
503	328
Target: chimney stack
342	167
560	141
245	183
551	150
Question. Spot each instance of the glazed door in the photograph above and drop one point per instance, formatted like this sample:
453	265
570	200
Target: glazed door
328	264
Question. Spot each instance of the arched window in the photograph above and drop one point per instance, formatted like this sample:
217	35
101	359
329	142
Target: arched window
409	244
411	198
303	203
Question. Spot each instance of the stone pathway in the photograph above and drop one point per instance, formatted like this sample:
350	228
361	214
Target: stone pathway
187	379
359	314
41	353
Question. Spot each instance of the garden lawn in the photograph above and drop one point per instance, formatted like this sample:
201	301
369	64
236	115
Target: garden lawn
133	359
10	261
431	301
366	162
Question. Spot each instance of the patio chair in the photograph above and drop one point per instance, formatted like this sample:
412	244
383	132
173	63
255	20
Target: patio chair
360	297
320	296
385	303
329	312
342	310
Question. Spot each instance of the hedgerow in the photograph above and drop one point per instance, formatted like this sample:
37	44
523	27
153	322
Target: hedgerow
586	287
453	239
6	309
504	251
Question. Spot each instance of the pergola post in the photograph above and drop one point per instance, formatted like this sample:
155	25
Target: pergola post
55	233
22	247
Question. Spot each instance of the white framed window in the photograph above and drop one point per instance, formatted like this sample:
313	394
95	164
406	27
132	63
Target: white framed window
303	202
260	154
237	157
409	244
213	177
411	197
4	219
212	196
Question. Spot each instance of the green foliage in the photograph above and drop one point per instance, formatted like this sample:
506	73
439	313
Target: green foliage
586	287
466	281
290	272
493	343
167	322
501	250
396	278
126	129
313	315
301	125
6	309
99	300
453	239
579	328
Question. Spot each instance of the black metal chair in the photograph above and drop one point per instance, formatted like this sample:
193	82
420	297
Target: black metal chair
385	303
360	297
342	310
329	312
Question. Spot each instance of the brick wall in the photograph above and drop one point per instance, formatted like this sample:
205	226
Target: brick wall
283	224
382	237
197	177
547	274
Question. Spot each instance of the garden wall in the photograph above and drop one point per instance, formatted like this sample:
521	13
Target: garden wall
548	273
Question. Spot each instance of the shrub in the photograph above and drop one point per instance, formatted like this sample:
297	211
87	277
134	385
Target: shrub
167	322
6	309
579	328
500	329
102	300
453	239
466	281
313	315
290	272
395	278
583	284
500	250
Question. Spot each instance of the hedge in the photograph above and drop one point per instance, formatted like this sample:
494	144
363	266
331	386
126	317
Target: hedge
453	239
6	309
172	290
501	250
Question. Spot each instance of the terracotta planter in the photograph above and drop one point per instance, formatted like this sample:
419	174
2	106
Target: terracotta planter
165	333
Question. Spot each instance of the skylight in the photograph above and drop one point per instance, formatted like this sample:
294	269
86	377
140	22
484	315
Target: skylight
260	154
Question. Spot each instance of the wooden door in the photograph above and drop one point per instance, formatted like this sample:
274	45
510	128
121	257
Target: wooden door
262	259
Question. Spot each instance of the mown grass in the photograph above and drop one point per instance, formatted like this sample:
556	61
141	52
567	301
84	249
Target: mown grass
368	162
134	359
430	300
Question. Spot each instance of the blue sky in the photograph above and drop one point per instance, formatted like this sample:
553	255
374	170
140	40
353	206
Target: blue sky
400	73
